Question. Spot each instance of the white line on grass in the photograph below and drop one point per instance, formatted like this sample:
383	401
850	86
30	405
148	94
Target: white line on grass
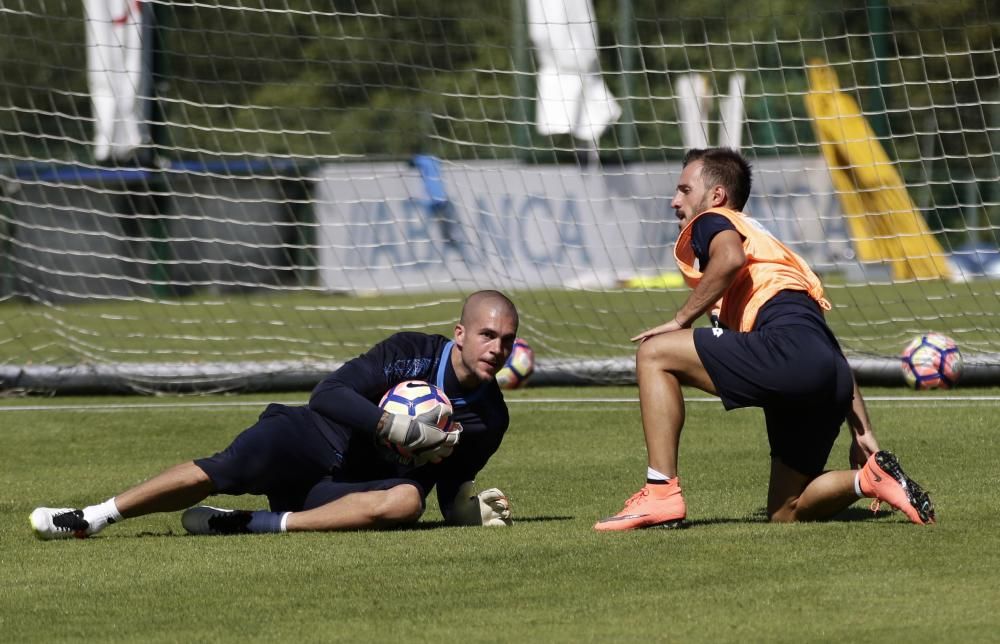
517	401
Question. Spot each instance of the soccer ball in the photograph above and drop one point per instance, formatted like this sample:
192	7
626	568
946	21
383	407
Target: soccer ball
519	366
421	400
931	361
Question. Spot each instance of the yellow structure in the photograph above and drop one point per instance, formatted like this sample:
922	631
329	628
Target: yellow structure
670	279
883	222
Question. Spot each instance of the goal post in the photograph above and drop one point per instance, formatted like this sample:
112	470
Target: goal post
240	195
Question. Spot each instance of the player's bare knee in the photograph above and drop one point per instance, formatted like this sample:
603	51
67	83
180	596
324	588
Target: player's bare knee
190	473
785	513
197	473
401	504
664	354
782	515
654	353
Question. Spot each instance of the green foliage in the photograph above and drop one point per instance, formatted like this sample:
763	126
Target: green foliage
729	577
334	79
318	77
43	92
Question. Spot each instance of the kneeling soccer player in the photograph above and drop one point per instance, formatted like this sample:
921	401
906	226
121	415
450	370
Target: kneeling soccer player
772	350
324	466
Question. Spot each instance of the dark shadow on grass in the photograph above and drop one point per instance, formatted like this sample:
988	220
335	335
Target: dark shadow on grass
422	525
690	523
149	533
851	514
759	515
429	525
542	519
857	514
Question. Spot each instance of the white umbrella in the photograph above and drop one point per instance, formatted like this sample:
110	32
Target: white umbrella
572	96
114	71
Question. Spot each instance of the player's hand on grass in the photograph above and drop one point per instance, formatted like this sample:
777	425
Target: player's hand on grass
416	438
494	507
488	508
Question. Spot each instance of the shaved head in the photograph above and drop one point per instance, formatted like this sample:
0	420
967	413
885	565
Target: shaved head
488	300
484	337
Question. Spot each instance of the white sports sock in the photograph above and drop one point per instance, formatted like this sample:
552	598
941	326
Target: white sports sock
101	515
284	521
857	484
655	475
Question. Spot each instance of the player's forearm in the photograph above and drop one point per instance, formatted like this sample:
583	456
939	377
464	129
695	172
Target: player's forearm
713	284
345	406
857	417
698	303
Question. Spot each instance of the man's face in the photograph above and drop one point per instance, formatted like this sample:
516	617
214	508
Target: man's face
692	197
485	342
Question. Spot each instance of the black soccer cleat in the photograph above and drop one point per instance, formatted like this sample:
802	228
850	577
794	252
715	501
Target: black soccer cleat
204	519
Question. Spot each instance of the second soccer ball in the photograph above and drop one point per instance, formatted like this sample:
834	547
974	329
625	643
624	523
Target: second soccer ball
519	367
931	361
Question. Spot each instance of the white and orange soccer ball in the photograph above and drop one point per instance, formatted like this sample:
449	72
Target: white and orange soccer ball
519	366
420	400
931	361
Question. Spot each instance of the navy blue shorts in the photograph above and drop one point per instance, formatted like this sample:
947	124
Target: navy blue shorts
284	457
795	373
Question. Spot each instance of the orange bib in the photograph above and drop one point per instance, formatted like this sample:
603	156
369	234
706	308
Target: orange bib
771	267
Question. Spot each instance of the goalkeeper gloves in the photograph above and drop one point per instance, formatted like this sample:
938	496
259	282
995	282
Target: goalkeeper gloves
415	439
489	508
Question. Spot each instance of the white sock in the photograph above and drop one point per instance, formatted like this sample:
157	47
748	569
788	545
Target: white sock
655	475
284	521
101	515
857	484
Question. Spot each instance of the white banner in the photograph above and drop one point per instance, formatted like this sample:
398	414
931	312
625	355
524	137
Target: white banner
516	227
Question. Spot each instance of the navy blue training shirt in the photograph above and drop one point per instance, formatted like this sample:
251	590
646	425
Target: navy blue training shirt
345	408
705	228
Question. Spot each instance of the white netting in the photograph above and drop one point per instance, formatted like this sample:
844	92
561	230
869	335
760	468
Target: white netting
268	188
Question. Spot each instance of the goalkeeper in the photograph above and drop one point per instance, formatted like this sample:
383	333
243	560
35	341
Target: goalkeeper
324	466
772	349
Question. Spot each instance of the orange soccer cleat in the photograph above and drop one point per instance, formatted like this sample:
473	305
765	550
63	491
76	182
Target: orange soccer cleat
655	505
883	479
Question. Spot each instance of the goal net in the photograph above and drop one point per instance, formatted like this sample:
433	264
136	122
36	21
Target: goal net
236	194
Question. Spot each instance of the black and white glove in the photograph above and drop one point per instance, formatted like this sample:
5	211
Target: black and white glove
417	440
489	508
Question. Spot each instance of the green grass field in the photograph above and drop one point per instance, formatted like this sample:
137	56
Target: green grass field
876	319
565	463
